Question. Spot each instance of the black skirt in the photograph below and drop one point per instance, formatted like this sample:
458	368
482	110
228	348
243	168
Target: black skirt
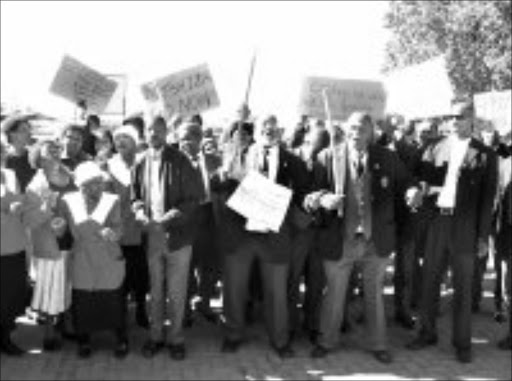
13	289
100	310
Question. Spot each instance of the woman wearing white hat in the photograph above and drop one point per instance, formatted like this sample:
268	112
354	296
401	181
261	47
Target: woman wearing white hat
97	269
120	167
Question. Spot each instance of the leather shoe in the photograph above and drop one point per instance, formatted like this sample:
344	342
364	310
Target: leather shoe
405	320
319	352
11	349
505	344
177	351
383	356
151	348
121	350
464	356
52	345
421	342
230	346
84	351
285	352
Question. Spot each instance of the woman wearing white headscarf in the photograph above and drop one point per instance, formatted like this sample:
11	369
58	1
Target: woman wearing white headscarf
97	265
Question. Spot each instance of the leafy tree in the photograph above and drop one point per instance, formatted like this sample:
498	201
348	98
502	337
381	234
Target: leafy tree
474	36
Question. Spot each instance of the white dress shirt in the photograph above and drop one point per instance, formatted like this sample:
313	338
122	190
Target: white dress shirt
448	193
156	192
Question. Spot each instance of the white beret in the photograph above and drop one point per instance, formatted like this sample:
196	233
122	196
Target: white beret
127	130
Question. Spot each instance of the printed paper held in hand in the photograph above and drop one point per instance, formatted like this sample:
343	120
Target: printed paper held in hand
262	202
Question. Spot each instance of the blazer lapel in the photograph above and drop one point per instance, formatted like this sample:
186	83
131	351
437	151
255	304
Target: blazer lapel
471	154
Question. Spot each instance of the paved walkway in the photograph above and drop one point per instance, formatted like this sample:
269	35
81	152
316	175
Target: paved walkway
255	361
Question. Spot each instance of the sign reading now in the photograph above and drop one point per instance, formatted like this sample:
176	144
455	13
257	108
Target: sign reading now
187	92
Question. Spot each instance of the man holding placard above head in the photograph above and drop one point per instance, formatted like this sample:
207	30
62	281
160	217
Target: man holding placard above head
461	178
268	158
361	220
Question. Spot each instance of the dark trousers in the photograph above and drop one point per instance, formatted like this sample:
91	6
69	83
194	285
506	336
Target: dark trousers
405	263
305	261
137	274
205	268
236	286
438	250
13	290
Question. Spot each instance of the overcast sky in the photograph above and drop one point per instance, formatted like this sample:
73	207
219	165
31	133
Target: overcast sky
147	40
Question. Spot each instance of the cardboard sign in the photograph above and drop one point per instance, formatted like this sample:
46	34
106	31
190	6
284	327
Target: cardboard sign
78	83
495	107
261	201
345	97
187	92
420	91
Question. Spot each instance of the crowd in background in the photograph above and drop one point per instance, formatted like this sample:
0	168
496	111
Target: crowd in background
99	220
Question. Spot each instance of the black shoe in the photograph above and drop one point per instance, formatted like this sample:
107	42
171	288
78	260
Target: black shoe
500	317
208	314
383	356
11	349
84	351
319	352
230	346
421	342
346	326
151	348
177	351
313	336
505	344
141	317
464	356
405	320
52	345
285	352
122	350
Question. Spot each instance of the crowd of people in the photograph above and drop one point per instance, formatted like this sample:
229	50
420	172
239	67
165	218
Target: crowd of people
98	219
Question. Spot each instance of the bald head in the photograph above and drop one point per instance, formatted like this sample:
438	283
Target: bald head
190	136
359	130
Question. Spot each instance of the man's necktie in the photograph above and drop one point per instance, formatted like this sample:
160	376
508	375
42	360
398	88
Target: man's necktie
264	167
360	165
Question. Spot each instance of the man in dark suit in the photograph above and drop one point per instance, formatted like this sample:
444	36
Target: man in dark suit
165	194
356	189
205	268
460	175
273	249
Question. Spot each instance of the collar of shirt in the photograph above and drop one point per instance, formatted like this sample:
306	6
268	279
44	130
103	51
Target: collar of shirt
355	155
155	154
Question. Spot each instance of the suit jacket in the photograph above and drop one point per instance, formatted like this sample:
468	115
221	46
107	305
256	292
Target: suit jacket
476	190
182	193
291	173
389	180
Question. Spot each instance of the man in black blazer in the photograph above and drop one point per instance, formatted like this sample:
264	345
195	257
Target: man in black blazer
460	176
165	195
269	158
359	227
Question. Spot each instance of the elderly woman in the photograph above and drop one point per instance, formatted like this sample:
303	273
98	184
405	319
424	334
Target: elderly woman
120	166
97	265
51	295
13	268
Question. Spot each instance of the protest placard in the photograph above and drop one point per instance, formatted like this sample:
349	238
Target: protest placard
496	107
345	97
187	92
79	83
263	202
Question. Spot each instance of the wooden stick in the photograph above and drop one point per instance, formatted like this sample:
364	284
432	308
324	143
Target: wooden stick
249	82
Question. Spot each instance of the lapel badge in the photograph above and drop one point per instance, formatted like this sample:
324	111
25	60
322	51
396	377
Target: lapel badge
384	182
